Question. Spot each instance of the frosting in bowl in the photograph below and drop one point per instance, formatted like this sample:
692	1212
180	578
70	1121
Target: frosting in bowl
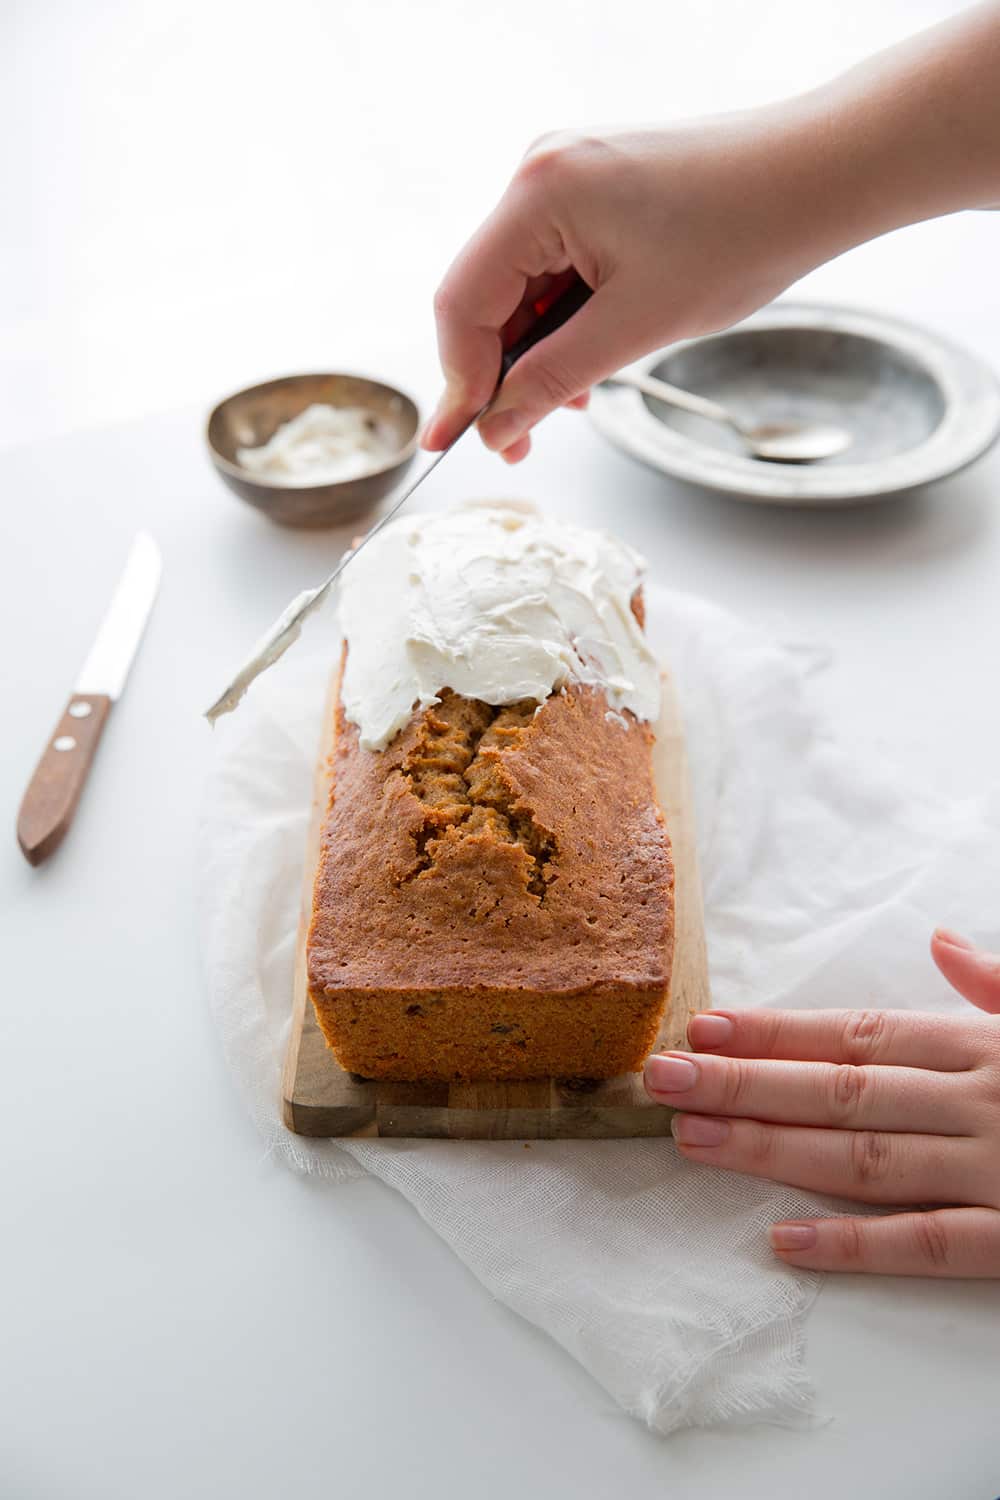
324	444
496	602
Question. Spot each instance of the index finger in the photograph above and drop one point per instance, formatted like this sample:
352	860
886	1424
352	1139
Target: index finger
483	288
910	1039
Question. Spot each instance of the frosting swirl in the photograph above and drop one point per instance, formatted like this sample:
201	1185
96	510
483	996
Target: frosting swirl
496	602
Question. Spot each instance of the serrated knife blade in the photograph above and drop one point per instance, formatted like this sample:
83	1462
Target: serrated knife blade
117	640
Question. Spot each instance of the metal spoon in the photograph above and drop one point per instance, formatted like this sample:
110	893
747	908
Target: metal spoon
779	442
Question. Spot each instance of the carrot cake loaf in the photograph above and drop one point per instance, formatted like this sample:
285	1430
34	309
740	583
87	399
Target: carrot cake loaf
494	893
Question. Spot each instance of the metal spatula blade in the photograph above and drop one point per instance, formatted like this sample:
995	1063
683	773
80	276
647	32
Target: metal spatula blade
288	627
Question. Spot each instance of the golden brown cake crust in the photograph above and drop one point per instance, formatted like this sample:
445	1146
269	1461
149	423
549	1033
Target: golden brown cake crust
494	897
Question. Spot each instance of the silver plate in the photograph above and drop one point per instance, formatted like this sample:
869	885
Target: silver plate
919	407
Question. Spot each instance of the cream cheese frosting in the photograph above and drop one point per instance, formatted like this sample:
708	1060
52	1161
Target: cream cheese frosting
323	444
496	602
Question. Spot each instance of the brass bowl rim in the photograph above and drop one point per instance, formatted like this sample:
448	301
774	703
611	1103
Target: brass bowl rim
301	486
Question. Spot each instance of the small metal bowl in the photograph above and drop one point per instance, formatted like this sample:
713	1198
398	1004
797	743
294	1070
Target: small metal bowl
252	417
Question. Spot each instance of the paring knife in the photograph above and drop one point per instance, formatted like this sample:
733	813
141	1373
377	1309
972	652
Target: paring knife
54	790
551	313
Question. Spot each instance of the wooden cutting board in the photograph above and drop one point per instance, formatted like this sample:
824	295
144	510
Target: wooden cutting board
320	1099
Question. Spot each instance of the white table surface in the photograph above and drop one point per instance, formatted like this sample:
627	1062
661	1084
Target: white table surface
180	1316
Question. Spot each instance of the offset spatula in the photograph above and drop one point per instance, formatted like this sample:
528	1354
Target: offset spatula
54	790
550	315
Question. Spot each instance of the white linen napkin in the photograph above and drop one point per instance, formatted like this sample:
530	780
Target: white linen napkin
824	874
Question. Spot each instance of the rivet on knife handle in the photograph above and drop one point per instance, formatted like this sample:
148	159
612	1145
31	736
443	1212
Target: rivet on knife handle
54	790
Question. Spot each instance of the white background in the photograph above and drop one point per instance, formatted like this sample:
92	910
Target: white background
197	196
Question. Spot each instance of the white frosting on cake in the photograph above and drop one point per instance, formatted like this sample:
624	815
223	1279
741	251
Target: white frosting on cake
496	602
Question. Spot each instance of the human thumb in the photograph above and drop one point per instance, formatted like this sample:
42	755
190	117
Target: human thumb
592	344
973	972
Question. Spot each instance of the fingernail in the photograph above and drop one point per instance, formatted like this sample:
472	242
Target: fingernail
953	939
793	1236
501	428
700	1130
671	1075
710	1031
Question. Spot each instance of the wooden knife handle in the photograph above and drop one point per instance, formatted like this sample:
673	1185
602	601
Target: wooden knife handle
54	790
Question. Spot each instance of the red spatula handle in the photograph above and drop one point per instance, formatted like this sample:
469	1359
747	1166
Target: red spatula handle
552	314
